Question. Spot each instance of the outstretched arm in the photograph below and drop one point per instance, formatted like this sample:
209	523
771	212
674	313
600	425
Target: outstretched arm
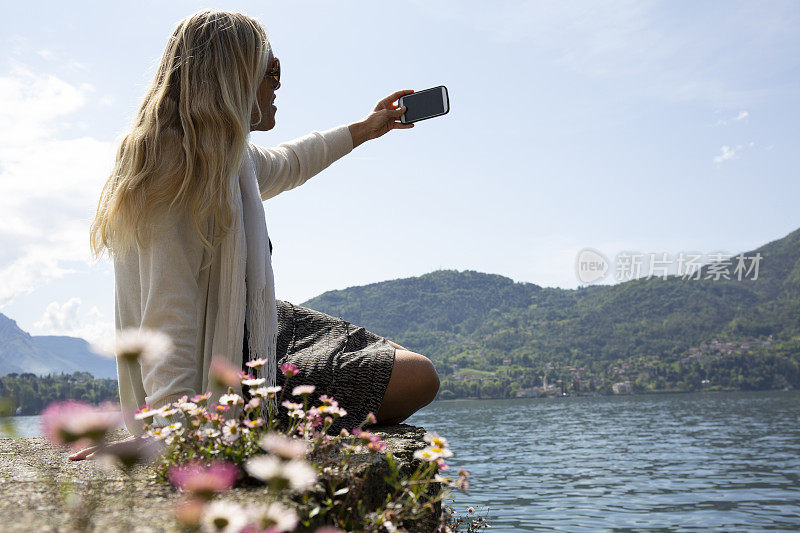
292	163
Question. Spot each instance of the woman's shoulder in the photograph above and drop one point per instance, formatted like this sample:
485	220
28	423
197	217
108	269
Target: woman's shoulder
167	232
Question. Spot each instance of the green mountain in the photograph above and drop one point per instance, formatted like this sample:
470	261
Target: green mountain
491	336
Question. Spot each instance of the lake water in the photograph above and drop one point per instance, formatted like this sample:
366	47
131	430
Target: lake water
679	462
23	426
720	461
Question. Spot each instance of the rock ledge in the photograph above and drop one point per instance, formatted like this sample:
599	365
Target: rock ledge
32	472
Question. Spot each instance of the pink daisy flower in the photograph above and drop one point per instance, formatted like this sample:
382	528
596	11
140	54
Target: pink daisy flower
252	404
204	481
289	369
201	399
76	423
224	373
258	422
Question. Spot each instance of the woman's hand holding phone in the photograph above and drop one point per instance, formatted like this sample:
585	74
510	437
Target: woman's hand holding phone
385	117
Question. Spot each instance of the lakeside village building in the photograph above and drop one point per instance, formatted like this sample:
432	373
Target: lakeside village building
557	389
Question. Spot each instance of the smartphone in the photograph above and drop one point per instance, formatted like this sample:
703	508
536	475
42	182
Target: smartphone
420	105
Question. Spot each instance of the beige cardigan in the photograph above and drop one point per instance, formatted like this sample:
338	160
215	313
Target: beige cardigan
166	286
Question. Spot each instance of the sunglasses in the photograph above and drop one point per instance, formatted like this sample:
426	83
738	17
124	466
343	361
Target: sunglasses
275	74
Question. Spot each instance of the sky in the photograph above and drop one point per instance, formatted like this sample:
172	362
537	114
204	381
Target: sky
631	125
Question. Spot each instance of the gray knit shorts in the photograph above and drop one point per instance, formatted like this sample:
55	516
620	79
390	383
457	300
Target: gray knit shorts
344	361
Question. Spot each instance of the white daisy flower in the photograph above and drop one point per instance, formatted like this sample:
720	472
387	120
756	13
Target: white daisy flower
230	399
446	452
231	431
256	363
296	474
438	444
273	517
303	389
427	454
337	411
187	406
253	382
159	433
223	517
263	392
291	405
285	447
264	467
300	473
210	433
434	439
149	344
175	427
144	413
165	411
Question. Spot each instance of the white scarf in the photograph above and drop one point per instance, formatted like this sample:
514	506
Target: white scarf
262	311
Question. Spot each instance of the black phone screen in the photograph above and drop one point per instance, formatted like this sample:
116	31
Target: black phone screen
424	104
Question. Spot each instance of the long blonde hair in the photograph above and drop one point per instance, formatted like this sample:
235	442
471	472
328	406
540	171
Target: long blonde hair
189	136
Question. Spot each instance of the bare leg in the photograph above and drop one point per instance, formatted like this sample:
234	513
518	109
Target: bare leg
396	345
412	385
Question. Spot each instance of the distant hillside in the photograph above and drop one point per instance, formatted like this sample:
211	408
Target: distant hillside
41	355
516	333
79	353
432	310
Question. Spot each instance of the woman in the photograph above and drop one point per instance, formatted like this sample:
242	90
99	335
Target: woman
182	216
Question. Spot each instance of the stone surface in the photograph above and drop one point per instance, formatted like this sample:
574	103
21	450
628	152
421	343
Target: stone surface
34	475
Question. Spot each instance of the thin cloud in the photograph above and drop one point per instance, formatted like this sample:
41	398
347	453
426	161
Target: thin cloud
726	153
741	116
